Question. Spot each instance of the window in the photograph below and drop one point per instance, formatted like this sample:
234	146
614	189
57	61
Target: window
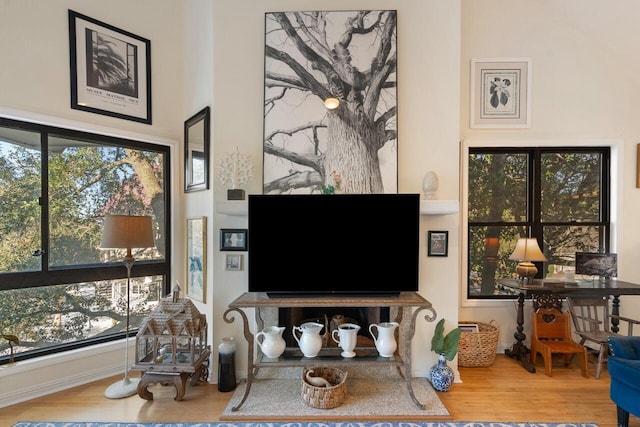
559	195
58	289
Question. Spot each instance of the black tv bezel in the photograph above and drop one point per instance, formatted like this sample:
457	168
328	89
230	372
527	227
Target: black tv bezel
372	291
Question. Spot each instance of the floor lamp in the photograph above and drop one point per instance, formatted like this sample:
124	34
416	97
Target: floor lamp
126	232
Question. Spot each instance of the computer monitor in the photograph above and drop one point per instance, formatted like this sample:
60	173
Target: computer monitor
597	264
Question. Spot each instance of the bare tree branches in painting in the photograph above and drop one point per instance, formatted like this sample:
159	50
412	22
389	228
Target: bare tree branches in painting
312	56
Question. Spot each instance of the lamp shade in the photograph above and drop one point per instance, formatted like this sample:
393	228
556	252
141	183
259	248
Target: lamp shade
127	232
527	249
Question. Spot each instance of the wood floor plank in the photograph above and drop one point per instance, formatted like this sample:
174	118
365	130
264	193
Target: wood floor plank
503	392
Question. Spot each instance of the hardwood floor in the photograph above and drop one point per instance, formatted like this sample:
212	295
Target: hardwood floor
502	392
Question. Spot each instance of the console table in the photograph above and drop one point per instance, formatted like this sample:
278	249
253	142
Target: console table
407	302
552	292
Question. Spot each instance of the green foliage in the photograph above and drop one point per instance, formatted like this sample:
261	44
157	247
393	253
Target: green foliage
445	344
498	184
85	182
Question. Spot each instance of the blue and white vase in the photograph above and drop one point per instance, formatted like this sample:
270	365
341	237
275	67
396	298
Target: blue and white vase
441	375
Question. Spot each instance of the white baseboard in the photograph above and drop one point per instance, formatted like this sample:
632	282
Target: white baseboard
38	377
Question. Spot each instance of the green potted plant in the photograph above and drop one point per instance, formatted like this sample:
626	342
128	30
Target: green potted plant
446	347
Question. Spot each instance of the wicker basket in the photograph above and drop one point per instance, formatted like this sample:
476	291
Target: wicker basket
478	349
325	397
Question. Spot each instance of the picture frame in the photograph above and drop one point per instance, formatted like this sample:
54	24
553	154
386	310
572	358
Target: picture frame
233	239
438	243
233	262
469	327
597	264
197	151
197	258
500	93
351	119
638	166
110	70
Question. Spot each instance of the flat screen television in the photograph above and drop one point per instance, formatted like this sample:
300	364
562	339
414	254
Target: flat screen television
365	244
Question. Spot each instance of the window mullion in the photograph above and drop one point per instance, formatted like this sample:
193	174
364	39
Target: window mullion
44	202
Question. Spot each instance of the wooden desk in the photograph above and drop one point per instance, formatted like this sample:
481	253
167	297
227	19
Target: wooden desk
553	292
409	304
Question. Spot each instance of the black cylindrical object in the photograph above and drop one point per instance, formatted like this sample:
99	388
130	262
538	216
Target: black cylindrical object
227	364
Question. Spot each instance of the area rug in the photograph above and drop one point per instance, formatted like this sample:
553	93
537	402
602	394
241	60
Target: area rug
380	399
303	424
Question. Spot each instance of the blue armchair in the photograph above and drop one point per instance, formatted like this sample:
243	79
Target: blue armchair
624	369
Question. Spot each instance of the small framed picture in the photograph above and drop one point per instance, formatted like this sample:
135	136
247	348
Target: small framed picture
197	258
469	327
233	262
438	243
233	239
500	93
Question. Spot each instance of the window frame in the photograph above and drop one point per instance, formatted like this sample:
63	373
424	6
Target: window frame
49	276
615	148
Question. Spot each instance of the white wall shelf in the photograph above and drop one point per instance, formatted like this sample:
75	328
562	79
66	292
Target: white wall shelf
439	207
427	207
232	207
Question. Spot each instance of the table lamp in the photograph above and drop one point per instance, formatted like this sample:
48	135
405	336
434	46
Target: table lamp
126	232
527	250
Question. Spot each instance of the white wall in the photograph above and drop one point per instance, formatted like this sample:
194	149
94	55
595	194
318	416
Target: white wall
198	93
35	86
428	94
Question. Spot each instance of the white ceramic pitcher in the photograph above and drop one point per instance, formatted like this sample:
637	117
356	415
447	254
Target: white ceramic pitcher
347	338
272	344
310	341
386	339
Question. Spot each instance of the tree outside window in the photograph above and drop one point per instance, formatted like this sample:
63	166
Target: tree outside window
57	288
558	195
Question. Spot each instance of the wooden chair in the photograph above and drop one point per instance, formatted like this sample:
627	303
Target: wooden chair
552	335
592	322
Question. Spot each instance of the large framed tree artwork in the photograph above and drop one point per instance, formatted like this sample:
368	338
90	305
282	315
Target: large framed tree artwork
330	104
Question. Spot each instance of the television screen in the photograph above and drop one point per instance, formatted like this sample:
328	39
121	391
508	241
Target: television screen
333	244
597	264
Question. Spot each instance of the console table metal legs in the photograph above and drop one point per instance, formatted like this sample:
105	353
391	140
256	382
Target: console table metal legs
250	340
403	363
407	350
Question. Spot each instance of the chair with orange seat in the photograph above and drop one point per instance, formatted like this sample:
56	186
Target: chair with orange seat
552	335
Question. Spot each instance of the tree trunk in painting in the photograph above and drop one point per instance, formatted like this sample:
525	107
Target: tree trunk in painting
312	56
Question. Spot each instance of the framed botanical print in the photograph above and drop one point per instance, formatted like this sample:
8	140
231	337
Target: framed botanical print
500	93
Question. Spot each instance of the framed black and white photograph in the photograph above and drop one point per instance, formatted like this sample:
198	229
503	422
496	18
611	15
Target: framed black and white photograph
233	262
323	133
438	243
197	258
597	264
110	70
233	239
500	93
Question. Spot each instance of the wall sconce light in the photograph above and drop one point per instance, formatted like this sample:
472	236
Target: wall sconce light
331	103
527	250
